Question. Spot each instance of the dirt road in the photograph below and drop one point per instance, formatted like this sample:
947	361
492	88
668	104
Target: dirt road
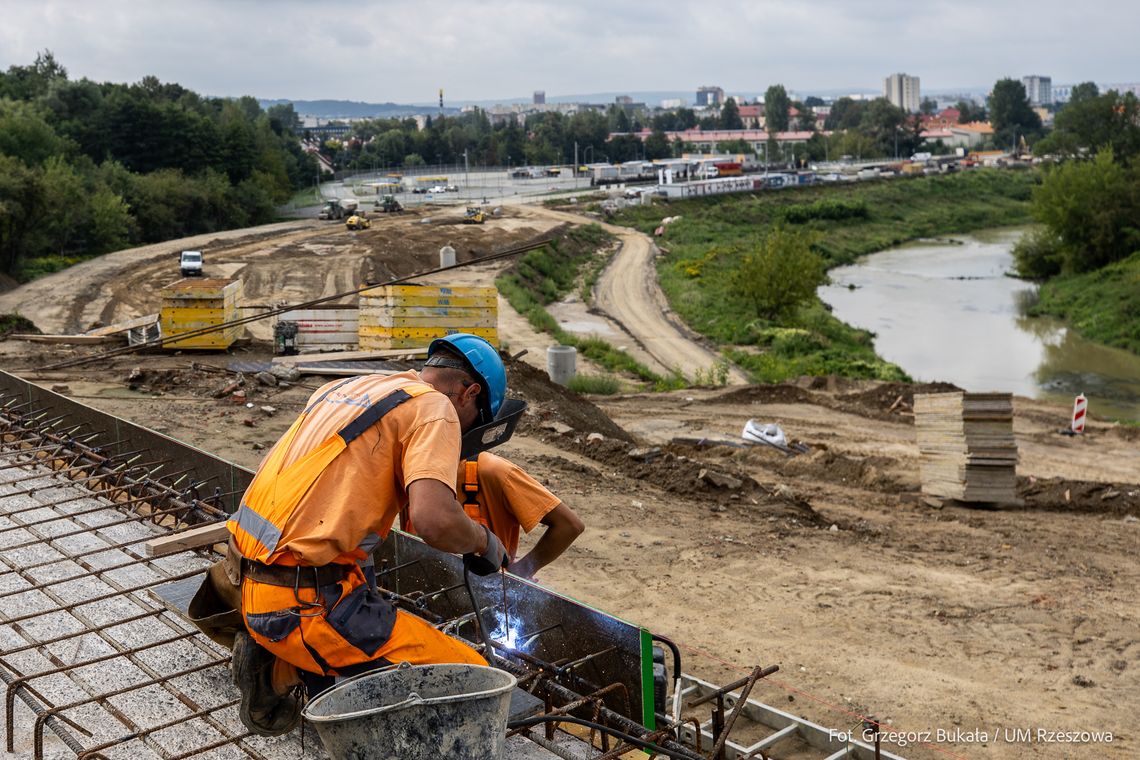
628	293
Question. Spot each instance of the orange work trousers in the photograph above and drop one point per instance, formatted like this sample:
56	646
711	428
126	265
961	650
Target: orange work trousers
343	628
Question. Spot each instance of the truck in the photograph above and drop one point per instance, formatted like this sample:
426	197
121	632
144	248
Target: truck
338	208
728	169
190	263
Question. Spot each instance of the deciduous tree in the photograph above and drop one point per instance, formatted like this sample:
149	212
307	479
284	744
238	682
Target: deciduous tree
779	274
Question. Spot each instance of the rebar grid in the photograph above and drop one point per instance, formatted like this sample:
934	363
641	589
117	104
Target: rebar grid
76	600
112	502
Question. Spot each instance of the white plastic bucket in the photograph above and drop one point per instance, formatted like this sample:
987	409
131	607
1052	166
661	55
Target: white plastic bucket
561	363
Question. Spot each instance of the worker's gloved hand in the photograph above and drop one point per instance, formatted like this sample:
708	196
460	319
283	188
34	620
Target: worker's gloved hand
493	558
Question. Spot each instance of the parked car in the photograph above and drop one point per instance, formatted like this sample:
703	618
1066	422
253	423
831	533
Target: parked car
437	189
452	189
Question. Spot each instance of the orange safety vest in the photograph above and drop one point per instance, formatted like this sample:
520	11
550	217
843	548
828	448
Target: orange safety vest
276	491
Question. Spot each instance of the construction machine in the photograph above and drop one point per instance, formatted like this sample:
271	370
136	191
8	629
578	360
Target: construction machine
358	222
338	208
388	204
474	215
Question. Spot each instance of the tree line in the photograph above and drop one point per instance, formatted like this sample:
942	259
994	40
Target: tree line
1088	202
87	168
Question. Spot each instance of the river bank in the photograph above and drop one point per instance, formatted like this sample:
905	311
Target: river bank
702	250
948	310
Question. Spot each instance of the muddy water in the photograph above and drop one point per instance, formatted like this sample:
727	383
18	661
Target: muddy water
947	311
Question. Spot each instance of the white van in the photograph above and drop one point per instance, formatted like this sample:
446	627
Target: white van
190	263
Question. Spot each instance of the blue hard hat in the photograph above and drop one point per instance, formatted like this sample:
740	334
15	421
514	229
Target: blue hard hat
485	363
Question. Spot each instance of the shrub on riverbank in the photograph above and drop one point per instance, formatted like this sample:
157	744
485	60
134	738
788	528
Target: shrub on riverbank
1101	305
705	248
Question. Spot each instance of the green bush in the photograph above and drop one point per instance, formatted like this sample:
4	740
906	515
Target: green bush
778	275
602	385
1091	208
1037	255
825	208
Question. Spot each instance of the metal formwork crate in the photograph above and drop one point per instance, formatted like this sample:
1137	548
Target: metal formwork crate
192	305
411	316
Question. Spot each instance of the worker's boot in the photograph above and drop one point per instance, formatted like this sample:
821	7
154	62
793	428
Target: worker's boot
265	710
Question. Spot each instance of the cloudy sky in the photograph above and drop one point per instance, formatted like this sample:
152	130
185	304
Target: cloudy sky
405	50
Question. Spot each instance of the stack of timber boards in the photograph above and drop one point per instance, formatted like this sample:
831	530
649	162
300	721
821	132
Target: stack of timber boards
966	446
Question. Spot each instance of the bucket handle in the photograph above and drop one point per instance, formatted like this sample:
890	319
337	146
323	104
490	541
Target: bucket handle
413	699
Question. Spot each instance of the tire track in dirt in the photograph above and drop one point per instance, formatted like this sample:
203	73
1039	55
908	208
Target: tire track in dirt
629	294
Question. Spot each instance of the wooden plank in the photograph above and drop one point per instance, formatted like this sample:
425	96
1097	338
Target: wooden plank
144	321
195	538
76	339
343	356
317	369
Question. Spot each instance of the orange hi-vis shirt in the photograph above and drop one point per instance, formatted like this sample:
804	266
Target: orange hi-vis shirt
508	499
350	506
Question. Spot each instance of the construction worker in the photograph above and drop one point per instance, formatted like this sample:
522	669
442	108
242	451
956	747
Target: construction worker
327	493
502	496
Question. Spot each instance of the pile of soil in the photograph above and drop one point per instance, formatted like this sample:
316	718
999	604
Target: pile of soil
16	324
885	401
550	402
889	400
831	467
1079	496
768	394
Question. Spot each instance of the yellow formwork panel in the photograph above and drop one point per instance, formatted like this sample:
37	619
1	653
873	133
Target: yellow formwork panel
411	316
372	338
379	312
189	305
398	293
457	323
487	300
202	289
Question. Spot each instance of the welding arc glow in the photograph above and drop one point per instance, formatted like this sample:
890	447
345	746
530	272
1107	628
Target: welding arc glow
506	635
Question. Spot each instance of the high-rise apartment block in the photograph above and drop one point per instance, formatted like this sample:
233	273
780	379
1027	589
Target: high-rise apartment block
902	91
709	96
539	97
1038	89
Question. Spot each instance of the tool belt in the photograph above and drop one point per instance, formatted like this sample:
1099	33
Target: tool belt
292	576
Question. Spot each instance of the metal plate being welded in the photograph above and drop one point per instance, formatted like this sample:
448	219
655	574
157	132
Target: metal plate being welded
537	623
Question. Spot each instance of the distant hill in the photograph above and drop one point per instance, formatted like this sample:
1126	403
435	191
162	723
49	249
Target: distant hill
351	109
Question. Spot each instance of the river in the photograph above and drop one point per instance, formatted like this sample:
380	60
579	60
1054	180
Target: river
947	311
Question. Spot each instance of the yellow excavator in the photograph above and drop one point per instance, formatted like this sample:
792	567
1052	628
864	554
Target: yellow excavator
474	215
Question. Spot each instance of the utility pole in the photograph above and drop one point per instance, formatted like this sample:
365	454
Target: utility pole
466	173
574	169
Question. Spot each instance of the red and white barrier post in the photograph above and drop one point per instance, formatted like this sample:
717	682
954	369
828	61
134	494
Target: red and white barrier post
1080	406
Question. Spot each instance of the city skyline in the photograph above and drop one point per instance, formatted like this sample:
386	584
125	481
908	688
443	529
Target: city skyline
405	53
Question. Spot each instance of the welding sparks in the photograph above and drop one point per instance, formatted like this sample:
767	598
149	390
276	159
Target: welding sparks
506	633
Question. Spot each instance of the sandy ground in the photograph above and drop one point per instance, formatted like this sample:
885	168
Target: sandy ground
976	623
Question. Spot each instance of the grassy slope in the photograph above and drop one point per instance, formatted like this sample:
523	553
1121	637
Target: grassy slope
543	276
704	246
1103	305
